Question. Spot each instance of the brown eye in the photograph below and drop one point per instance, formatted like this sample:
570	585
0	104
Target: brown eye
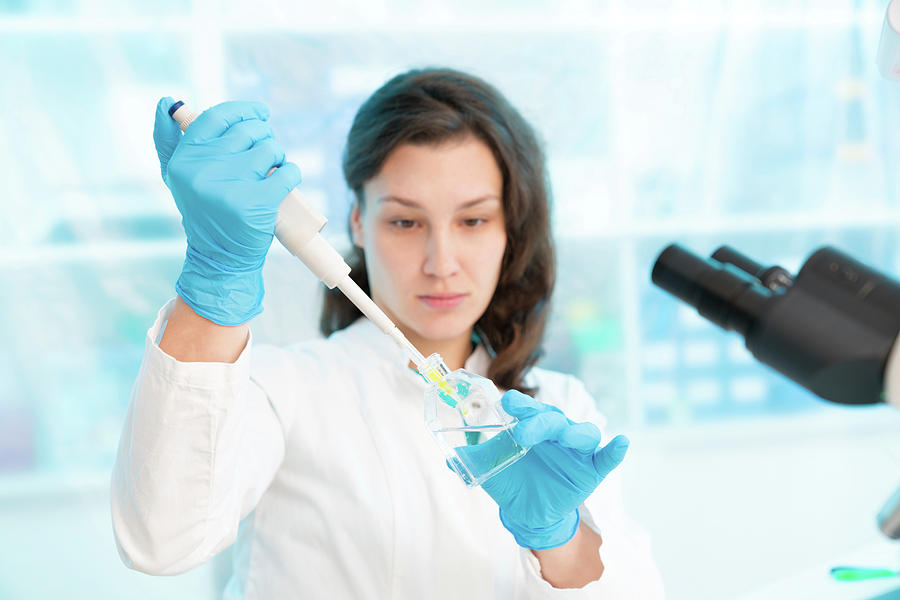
474	222
403	223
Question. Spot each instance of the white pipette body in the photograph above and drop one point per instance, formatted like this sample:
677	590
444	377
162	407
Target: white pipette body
297	228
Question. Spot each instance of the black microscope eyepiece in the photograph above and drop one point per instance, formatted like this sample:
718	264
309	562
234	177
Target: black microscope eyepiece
720	291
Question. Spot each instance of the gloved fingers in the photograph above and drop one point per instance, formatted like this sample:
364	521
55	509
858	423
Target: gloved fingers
610	456
242	136
166	133
583	437
522	406
263	156
215	121
539	428
284	178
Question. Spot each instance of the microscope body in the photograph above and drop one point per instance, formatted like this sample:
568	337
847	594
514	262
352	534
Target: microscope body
834	328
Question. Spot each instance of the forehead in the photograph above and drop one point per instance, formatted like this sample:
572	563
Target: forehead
451	172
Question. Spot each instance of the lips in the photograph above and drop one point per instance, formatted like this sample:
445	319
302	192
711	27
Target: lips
442	301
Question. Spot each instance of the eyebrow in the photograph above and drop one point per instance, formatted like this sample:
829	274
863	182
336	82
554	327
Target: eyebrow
413	204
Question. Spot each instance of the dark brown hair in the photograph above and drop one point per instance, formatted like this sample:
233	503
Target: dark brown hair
430	106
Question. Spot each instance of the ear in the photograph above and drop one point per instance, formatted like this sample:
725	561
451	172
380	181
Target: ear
356	226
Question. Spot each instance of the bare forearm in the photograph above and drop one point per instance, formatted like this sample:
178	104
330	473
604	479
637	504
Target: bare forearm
188	337
574	564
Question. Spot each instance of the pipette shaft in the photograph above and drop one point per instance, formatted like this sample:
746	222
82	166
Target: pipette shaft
368	307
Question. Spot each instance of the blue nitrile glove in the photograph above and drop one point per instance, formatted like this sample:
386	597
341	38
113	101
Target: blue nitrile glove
216	172
539	494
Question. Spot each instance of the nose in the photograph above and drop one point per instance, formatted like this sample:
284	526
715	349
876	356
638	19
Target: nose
440	255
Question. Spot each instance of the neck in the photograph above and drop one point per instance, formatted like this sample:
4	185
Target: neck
454	351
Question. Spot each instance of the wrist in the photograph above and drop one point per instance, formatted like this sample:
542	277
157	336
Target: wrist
543	537
218	293
189	337
575	564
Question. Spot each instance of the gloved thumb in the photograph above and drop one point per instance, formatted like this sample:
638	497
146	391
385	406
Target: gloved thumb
609	457
522	406
166	133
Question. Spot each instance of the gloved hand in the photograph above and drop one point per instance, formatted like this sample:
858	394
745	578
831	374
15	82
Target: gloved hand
539	494
216	172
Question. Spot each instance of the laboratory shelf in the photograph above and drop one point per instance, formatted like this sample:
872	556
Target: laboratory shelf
725	225
611	20
52	254
827	421
37	485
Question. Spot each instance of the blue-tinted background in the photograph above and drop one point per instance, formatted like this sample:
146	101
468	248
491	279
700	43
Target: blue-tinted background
762	125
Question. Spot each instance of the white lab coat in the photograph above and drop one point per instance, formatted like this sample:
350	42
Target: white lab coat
316	460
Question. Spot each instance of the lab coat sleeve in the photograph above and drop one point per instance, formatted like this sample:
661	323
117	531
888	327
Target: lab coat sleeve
200	444
629	568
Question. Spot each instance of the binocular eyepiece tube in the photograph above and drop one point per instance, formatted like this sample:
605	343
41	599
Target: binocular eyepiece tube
830	329
723	289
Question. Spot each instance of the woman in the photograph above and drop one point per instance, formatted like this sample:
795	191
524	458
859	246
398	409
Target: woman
314	457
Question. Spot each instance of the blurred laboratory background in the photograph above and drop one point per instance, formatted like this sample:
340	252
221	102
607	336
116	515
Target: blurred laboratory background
764	125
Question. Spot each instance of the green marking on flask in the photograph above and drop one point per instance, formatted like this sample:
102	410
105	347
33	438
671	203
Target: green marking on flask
447	398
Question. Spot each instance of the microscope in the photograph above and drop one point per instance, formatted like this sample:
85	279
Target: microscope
834	328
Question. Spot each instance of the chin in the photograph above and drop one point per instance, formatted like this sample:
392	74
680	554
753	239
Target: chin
442	327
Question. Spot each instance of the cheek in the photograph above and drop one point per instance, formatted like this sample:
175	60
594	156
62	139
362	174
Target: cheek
392	257
487	257
499	251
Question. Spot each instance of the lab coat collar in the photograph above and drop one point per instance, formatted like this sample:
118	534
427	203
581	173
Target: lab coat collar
479	361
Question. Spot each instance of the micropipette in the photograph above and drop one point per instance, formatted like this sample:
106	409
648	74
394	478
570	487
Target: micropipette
477	405
297	228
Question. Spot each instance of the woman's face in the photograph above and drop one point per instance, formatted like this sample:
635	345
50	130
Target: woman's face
434	234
